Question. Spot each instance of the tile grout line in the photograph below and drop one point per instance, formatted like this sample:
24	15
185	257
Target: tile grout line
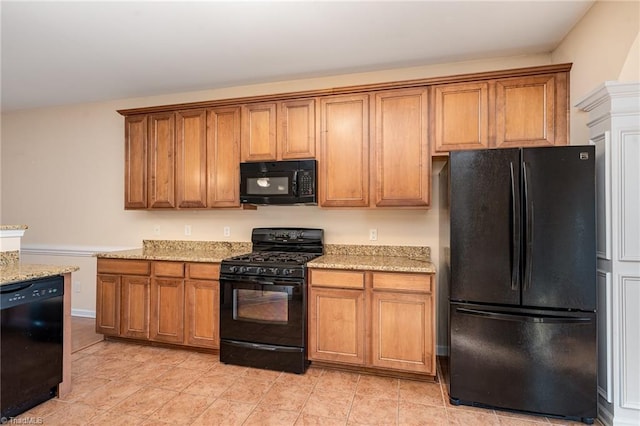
353	397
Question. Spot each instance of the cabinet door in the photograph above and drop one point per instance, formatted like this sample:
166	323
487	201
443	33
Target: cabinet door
162	160
336	325
202	313
531	111
402	163
402	332
108	305
223	157
191	159
135	307
343	173
259	132
461	116
135	161
167	310
297	129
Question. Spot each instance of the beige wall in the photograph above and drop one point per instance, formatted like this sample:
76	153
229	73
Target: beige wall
602	46
62	168
62	174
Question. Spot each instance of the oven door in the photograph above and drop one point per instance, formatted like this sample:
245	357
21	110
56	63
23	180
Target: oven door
263	310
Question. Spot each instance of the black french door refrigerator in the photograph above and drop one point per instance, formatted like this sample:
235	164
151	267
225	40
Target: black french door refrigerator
522	312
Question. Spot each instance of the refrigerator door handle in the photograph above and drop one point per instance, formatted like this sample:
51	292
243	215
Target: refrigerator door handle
515	232
528	203
549	319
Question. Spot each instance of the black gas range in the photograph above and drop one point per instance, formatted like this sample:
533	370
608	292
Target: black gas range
263	300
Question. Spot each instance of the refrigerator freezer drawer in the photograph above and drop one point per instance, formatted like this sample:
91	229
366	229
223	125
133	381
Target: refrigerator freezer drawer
530	360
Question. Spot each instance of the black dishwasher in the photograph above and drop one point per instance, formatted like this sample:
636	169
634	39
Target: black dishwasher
30	343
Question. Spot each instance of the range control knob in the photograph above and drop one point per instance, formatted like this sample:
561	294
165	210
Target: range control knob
260	271
242	269
233	269
287	271
274	271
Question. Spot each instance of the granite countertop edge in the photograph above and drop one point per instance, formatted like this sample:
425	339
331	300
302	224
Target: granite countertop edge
24	271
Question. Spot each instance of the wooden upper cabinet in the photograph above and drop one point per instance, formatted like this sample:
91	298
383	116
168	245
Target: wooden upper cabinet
504	112
191	158
135	161
223	157
401	151
259	132
531	111
370	140
343	166
296	129
162	160
283	130
460	116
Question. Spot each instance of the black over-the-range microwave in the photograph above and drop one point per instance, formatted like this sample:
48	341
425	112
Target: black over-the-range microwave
278	182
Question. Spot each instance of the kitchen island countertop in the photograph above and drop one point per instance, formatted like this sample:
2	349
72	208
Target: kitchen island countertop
16	272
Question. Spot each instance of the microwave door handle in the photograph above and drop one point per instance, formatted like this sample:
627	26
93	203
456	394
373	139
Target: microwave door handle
294	184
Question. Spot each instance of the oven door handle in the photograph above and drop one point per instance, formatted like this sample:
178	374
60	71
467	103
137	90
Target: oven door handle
280	283
262	281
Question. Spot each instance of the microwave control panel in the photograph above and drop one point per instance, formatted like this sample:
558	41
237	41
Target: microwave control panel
306	183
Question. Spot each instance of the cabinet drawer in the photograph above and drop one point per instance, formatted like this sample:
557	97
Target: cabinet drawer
203	271
124	267
401	281
168	269
338	279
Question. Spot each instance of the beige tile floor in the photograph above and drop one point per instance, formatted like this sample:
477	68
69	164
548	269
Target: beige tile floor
118	383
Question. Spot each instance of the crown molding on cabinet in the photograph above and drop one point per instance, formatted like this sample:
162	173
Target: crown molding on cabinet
528	71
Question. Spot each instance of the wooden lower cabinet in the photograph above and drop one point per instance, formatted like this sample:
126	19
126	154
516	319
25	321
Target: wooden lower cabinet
108	305
202	308
135	307
336	325
401	331
168	302
167	310
377	320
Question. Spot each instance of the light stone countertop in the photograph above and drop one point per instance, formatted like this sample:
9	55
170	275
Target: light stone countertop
375	258
207	256
17	272
354	257
182	251
13	227
373	263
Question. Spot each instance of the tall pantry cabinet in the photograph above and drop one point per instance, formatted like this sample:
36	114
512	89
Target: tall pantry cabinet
614	128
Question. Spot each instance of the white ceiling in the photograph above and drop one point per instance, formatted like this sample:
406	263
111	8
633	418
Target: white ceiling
56	53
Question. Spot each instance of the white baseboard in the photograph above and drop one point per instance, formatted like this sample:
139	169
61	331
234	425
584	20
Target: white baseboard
71	251
85	313
605	416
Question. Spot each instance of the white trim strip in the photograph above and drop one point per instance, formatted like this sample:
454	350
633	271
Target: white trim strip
71	251
84	313
11	233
